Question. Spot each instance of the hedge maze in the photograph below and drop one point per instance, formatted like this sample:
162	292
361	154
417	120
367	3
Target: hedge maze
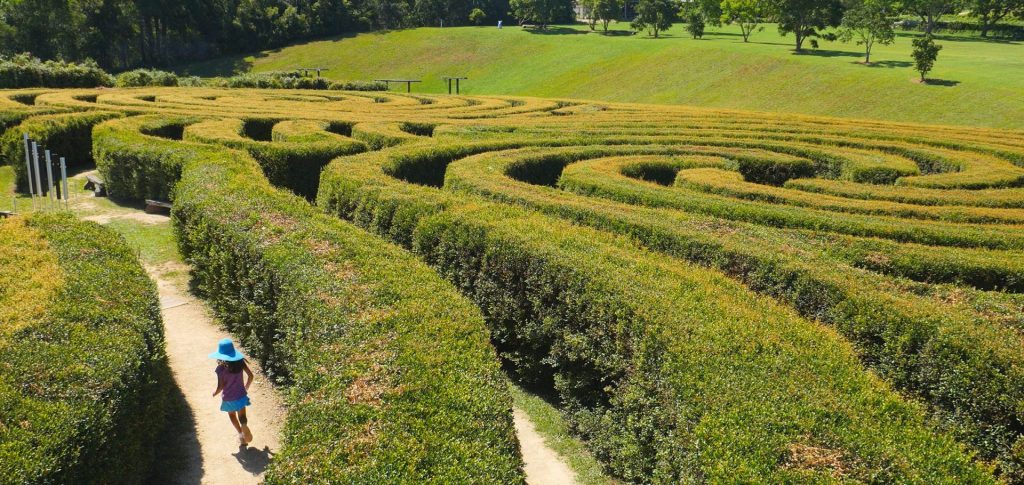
712	295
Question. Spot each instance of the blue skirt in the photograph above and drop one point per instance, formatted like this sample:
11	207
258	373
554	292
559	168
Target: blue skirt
235	405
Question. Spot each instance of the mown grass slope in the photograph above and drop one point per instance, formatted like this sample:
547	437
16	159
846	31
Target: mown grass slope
980	82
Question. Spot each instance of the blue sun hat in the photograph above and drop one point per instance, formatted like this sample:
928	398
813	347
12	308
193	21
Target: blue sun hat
226	351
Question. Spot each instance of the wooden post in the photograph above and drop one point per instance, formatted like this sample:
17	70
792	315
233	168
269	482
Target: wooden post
456	87
35	161
49	179
64	178
28	170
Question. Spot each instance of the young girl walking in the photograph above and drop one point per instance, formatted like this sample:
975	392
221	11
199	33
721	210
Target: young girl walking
230	366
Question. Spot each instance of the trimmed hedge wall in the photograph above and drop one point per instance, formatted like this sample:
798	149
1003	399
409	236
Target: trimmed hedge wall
67	134
674	374
392	375
292	165
84	391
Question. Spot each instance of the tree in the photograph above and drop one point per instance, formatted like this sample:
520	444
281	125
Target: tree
805	17
654	15
869	22
695	24
990	12
929	11
605	11
540	12
925	52
745	13
477	16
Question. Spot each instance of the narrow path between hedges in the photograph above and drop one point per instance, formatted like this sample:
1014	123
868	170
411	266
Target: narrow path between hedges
191	334
201	446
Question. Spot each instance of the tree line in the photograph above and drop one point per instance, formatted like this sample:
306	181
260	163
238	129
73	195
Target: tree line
121	34
866	21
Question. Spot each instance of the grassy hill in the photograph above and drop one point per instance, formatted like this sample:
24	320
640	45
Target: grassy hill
981	82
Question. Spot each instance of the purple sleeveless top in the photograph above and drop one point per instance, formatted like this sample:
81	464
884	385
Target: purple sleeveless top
234	388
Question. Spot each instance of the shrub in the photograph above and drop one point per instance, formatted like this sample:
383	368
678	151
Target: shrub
68	135
557	304
146	77
25	71
380	353
85	385
296	80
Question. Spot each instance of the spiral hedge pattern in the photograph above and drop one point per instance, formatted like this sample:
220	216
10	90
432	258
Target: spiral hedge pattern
713	295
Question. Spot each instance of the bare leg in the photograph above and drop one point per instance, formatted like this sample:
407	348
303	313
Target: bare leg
234	420
244	421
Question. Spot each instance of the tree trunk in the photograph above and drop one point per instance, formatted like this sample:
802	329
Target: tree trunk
799	40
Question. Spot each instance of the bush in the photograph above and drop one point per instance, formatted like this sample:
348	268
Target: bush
25	71
146	77
382	355
648	366
68	135
296	80
85	386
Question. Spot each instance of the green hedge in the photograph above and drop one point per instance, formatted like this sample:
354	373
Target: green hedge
146	77
969	370
25	71
67	134
392	378
674	374
292	165
84	392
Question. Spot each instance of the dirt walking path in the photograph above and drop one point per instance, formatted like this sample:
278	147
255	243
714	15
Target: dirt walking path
543	465
191	334
202	446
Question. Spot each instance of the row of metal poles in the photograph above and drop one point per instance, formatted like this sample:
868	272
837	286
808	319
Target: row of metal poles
43	197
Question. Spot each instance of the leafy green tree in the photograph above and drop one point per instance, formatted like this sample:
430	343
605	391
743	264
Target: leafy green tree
654	16
869	22
745	13
990	12
589	7
695	24
805	17
540	12
925	52
477	16
606	10
930	11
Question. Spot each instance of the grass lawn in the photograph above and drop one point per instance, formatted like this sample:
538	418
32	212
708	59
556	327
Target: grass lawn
980	82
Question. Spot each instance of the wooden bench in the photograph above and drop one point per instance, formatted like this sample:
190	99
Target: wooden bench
157	206
96	185
4	214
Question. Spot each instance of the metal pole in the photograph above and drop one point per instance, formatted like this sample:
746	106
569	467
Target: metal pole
50	196
28	171
39	182
64	178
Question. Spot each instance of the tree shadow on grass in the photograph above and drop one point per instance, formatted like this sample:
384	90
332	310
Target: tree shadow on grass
826	53
960	38
887	64
941	82
555	31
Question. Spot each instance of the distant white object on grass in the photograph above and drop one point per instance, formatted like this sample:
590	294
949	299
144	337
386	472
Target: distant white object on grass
499	24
